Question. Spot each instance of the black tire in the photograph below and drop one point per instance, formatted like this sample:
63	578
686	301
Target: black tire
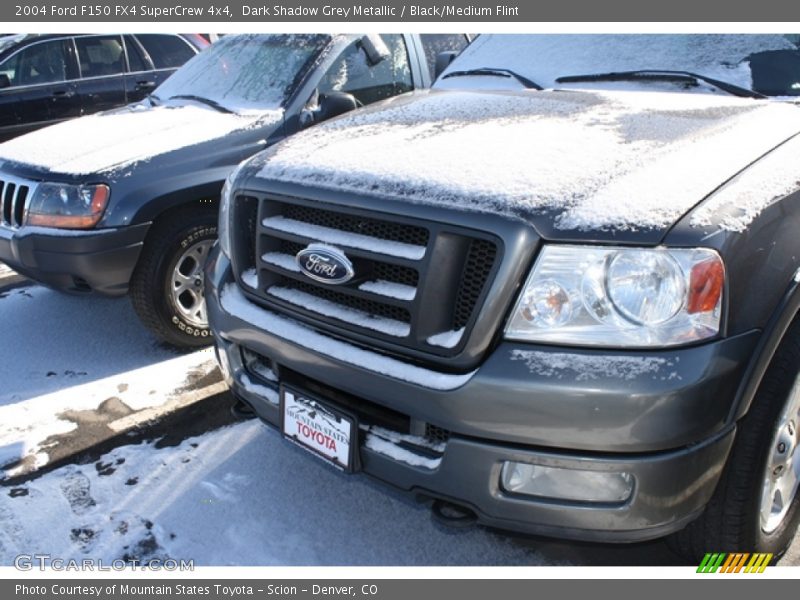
151	293
732	520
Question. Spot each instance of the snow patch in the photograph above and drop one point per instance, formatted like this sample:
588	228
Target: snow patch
343	313
740	202
118	139
284	261
585	368
447	339
261	391
235	304
377	442
390	289
345	238
250	278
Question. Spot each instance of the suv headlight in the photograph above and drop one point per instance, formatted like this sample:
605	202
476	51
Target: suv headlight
68	206
604	296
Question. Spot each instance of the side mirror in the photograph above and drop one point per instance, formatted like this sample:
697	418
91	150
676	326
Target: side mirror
4	81
334	104
443	60
326	106
375	49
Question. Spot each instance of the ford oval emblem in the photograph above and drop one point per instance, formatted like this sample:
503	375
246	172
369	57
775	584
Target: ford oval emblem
325	264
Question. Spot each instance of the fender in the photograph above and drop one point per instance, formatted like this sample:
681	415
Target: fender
771	337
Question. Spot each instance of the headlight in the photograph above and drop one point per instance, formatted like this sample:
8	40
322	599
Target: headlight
601	296
224	221
68	206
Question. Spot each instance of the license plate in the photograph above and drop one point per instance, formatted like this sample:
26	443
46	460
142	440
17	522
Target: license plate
314	426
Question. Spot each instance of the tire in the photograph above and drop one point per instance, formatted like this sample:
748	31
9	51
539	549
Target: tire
167	286
747	513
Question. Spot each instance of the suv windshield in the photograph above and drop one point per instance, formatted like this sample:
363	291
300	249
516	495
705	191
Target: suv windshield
244	73
766	64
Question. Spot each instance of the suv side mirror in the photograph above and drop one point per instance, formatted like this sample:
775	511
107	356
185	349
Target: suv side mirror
4	81
375	49
326	106
334	104
443	60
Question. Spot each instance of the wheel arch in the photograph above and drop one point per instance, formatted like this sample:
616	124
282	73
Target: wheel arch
785	313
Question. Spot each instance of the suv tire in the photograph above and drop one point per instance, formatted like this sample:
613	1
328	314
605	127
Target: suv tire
167	287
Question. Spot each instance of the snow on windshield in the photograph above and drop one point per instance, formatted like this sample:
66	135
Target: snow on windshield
545	58
245	73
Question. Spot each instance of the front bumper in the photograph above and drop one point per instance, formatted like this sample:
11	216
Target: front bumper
665	426
75	261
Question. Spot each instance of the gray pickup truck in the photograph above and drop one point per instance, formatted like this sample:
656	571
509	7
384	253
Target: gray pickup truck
557	293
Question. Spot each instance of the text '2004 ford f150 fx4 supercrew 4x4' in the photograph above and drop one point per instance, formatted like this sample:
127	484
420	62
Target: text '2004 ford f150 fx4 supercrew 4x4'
127	200
567	306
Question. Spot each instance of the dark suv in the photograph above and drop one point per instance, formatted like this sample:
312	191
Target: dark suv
127	199
558	293
45	79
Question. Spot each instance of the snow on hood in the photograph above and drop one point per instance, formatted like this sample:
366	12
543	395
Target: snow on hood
111	141
593	160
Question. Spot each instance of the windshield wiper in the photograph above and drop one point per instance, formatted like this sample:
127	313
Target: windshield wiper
206	101
497	73
153	99
663	75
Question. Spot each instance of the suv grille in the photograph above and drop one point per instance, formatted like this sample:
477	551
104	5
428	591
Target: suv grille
14	196
417	284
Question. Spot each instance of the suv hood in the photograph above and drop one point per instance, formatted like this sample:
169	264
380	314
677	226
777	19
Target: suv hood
575	164
114	141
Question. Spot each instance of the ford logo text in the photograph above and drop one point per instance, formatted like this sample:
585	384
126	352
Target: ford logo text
325	264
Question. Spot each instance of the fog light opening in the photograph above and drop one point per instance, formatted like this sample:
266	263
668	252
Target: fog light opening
574	485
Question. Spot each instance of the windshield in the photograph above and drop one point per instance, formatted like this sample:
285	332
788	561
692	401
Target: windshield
245	73
768	64
7	41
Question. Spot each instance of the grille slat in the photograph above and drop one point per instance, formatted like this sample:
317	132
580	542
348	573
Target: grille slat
14	196
393	306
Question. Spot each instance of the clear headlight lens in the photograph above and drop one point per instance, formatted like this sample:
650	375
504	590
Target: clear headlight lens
68	206
605	296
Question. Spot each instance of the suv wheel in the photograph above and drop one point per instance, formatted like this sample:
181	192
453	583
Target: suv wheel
168	286
755	507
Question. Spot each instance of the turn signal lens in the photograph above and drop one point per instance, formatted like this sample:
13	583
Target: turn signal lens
705	286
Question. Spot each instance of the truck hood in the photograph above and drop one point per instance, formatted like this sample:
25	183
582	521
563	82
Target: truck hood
575	164
115	141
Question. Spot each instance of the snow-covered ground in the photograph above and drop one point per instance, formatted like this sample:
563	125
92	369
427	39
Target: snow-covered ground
234	495
66	362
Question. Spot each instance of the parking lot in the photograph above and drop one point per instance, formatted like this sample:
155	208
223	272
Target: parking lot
116	448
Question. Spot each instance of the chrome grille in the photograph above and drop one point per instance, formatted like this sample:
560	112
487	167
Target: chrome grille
15	194
416	283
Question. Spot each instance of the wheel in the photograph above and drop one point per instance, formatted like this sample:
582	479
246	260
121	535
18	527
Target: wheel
168	287
755	507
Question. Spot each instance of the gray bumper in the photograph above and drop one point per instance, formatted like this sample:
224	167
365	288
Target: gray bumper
664	424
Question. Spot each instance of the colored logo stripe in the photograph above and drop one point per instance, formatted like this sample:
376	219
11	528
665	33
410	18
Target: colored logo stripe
734	562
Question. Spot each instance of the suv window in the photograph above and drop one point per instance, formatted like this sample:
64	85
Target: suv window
436	43
166	51
45	62
352	73
100	55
